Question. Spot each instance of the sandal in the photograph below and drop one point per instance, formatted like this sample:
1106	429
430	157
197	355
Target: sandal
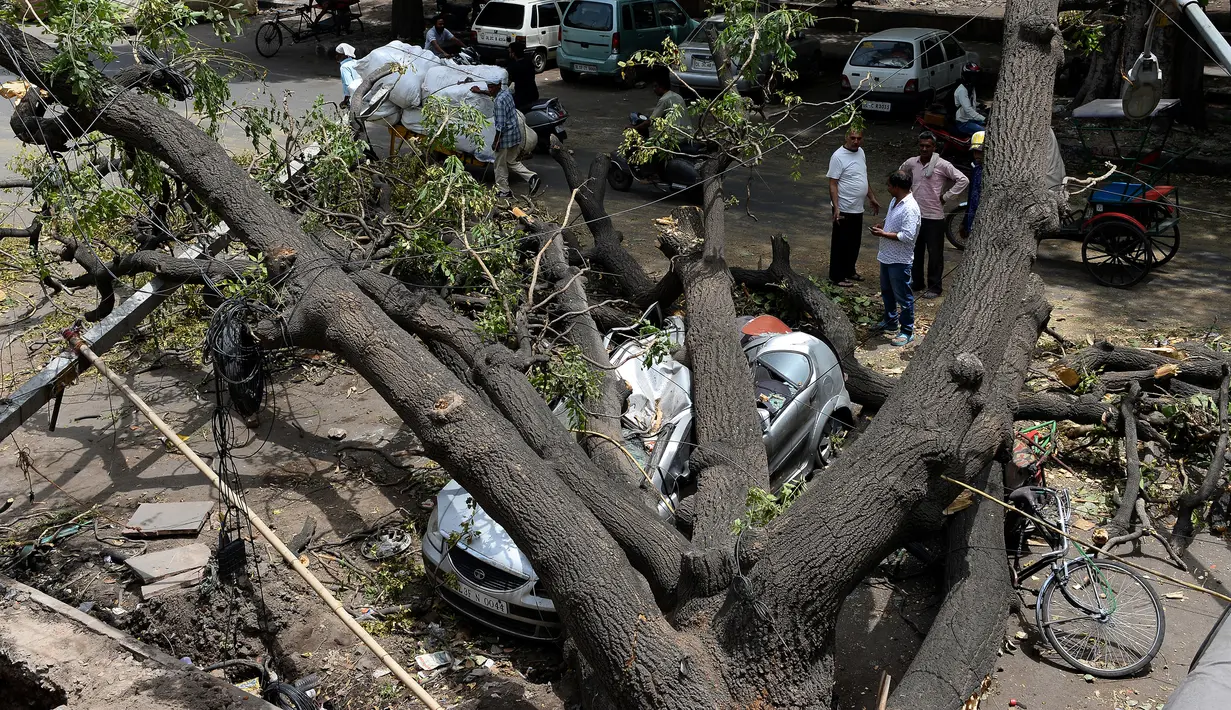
846	283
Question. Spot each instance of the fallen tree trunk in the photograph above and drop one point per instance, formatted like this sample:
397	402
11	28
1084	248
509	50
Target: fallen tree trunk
960	648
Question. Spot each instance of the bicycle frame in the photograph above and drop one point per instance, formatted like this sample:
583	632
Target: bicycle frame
1054	559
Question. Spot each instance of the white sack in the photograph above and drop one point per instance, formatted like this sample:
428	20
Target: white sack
376	105
379	57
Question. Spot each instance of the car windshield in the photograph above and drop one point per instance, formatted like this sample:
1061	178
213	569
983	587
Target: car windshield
585	15
504	15
701	34
791	367
884	54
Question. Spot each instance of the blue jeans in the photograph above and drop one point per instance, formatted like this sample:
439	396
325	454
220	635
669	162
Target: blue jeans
895	293
969	128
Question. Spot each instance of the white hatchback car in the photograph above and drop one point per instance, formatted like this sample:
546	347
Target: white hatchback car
905	68
535	22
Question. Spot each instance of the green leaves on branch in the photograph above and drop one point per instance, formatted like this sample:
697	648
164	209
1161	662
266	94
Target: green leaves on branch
568	379
761	506
1083	31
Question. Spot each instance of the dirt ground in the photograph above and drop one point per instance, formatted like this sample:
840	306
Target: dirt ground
367	481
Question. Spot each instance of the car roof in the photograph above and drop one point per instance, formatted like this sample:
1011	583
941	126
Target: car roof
904	33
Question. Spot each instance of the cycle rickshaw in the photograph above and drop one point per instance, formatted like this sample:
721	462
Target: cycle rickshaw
312	20
1129	226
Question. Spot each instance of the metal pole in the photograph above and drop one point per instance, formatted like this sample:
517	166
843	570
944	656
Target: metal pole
334	605
1217	43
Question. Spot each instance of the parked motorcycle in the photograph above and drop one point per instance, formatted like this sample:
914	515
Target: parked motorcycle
546	118
676	173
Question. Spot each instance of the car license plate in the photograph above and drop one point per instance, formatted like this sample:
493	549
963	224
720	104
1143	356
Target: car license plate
489	39
703	65
482	599
585	67
877	106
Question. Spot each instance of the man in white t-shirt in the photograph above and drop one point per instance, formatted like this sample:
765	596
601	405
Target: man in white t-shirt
848	187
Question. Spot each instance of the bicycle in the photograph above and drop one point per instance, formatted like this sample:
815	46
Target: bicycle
1106	620
310	21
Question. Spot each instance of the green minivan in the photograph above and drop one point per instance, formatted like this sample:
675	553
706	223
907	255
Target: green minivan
596	35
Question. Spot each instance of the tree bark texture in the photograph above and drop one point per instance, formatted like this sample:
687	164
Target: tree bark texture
928	417
960	648
761	606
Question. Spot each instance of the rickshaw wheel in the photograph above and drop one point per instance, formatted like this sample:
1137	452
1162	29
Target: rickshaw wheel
1166	243
268	39
1117	253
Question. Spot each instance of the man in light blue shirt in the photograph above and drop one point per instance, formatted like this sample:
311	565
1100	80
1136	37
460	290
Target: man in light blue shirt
351	80
897	253
440	40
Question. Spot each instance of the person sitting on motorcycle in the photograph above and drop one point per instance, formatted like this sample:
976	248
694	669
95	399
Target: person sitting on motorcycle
521	76
666	99
440	40
968	120
976	183
682	128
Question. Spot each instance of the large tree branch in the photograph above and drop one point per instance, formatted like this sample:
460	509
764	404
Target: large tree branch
917	433
730	455
960	648
603	603
630	279
653	545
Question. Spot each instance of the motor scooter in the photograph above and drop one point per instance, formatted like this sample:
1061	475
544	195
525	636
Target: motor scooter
546	118
680	172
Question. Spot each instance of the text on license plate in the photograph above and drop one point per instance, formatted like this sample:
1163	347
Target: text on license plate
877	106
490	39
703	65
585	67
484	600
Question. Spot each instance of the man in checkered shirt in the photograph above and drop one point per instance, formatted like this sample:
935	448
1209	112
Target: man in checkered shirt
510	135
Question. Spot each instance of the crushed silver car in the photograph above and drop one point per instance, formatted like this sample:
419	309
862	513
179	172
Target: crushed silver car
802	403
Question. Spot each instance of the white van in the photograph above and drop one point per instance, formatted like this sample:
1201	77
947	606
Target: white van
500	22
908	67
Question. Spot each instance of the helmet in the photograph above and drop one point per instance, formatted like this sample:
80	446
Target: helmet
970	72
976	141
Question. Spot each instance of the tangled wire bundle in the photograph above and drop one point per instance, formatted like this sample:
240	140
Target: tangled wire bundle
237	358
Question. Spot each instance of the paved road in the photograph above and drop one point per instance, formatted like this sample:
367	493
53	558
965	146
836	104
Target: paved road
1183	296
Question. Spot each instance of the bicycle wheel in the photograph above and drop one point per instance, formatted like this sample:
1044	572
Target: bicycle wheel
268	39
1117	641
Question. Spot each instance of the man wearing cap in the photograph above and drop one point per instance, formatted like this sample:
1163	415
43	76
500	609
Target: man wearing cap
510	135
351	80
976	182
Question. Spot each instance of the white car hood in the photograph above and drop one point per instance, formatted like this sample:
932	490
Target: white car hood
487	539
